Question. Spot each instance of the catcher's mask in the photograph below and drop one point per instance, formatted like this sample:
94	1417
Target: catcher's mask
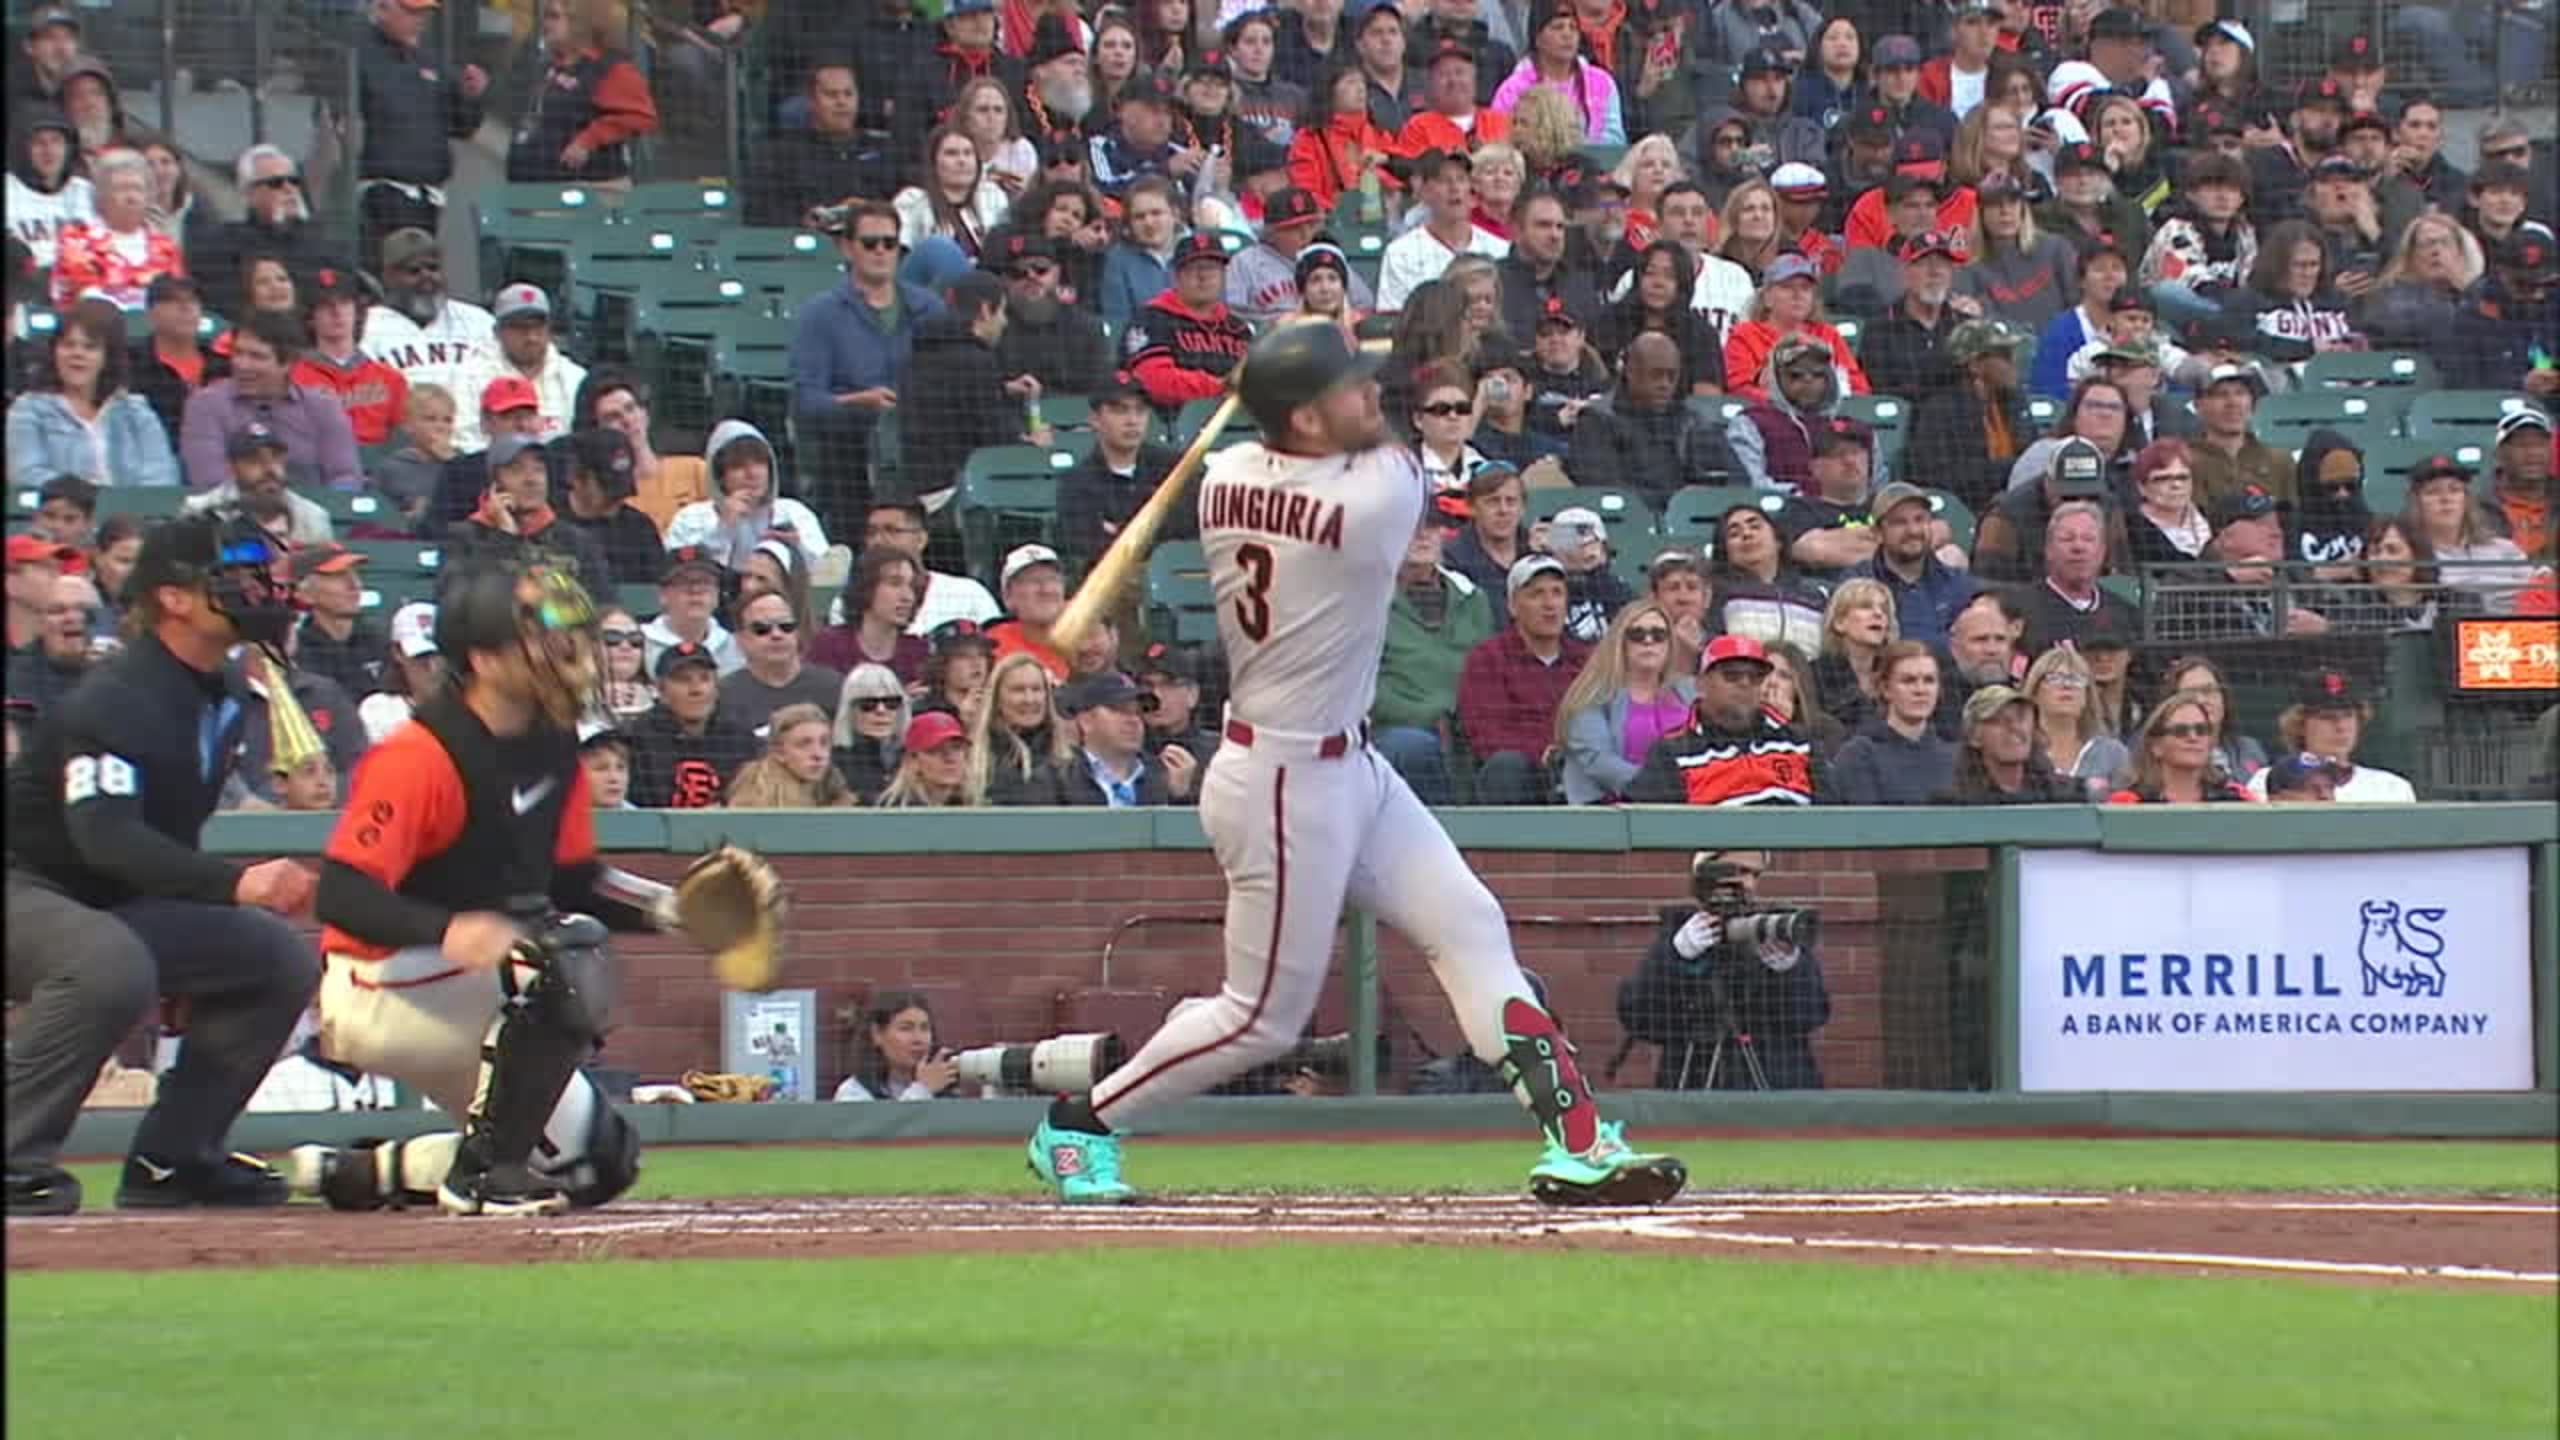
540	613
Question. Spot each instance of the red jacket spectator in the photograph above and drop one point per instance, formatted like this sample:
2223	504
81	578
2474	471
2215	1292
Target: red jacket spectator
1327	163
1507	697
1748	348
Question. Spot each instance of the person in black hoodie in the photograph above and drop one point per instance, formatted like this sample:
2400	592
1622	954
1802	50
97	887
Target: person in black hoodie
1056	342
1564	376
601	484
682	751
2329	520
957	398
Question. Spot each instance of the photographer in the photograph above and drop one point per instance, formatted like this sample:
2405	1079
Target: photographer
895	1055
1730	989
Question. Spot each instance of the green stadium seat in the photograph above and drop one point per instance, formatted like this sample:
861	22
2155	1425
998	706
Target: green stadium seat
1008	494
1631	552
399	557
2380	369
1180	602
1690	516
788	282
683	198
156	502
346	507
2043	412
1067	412
2287	420
674	326
745	244
1957	514
2446	418
642	600
1851	331
1617	508
1888	415
750	364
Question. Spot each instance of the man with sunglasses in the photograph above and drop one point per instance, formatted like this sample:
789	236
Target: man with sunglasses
775	675
278	222
418	329
1046	336
849	345
113	905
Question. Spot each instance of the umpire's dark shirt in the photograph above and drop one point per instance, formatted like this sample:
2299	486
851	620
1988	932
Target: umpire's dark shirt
111	793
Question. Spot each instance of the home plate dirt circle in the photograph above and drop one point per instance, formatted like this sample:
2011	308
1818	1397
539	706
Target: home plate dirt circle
2458	1242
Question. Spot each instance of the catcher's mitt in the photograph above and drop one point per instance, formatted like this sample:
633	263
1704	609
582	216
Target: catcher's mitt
725	1087
730	902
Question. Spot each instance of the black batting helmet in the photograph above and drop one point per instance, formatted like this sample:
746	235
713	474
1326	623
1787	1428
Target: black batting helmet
1294	365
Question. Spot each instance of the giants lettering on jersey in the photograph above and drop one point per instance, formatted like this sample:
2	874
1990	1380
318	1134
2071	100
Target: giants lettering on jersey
1303	518
1771	771
427	354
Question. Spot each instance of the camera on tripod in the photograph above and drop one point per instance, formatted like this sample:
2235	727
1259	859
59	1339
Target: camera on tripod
1718	886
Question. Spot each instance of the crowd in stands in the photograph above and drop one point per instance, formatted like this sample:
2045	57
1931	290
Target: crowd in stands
1886	402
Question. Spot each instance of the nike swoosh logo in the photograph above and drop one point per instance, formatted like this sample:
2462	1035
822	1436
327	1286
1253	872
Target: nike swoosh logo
158	1173
527	798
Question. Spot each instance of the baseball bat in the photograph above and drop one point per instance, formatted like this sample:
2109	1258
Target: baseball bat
1119	564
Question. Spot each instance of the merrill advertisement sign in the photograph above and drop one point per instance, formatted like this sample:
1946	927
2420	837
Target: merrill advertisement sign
2406	971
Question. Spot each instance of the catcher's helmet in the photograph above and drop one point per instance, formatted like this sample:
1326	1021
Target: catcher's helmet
1294	365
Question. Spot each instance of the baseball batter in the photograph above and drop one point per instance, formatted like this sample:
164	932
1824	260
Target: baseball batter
1304	532
466	910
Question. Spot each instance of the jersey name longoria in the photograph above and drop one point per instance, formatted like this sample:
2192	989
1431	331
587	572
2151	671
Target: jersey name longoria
1309	519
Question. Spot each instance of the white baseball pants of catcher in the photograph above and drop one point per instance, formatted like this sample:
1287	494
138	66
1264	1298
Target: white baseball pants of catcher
1301	824
415	1017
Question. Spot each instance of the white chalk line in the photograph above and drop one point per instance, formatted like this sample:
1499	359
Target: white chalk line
2370	1269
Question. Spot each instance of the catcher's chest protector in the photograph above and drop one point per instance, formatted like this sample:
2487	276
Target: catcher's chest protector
514	791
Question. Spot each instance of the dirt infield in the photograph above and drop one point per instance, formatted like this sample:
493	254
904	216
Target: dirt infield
2500	1243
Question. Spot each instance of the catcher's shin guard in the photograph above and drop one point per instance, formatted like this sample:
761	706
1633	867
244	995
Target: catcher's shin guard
590	1152
1538	1062
371	1174
557	994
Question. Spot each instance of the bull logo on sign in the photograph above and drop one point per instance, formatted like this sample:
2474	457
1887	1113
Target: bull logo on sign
2401	951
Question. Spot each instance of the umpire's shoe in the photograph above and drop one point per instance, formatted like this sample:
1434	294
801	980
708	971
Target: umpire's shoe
234	1181
43	1190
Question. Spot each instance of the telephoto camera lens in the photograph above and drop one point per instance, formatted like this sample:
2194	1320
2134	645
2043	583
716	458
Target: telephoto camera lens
1062	1064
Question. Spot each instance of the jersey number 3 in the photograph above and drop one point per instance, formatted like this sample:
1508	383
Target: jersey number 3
1253	612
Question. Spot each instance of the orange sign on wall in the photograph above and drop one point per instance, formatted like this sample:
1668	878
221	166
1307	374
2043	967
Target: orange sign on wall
2506	655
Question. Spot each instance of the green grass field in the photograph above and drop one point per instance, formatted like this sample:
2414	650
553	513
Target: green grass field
1322	1342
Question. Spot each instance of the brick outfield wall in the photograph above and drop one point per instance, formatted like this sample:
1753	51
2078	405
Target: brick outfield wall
1007	944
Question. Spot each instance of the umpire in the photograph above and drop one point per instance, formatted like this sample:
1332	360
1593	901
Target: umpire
112	905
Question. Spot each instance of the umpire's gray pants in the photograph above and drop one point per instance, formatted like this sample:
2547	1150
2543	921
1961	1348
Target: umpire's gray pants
86	976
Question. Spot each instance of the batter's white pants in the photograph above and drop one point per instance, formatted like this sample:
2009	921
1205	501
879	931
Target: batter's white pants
417	1018
1298	834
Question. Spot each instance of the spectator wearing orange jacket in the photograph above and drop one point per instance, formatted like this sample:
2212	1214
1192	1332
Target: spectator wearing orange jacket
1454	121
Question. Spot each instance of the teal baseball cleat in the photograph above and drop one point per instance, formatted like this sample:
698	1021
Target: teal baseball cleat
1084	1168
1611	1172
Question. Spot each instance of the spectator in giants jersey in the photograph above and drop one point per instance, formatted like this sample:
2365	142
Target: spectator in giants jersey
1182	344
1732	752
418	329
375	395
683	751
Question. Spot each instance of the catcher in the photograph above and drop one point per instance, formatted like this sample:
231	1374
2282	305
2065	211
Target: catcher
466	912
